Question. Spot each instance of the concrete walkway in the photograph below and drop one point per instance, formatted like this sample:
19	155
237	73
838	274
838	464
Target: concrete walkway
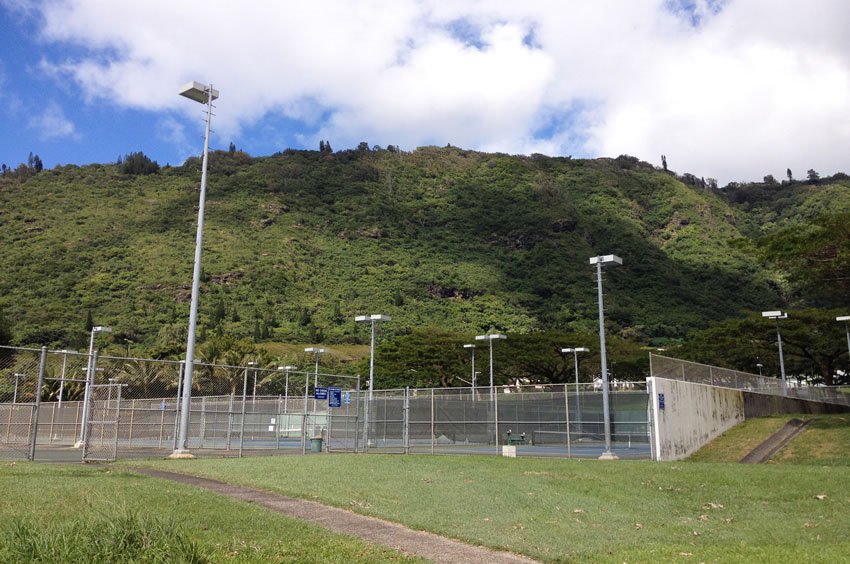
370	529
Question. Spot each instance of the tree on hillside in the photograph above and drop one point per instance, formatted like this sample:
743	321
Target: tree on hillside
790	176
664	162
769	180
5	331
813	176
37	165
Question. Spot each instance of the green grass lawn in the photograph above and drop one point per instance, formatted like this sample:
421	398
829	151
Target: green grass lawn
575	510
59	513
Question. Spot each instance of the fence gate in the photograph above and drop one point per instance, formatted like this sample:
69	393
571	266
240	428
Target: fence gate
101	444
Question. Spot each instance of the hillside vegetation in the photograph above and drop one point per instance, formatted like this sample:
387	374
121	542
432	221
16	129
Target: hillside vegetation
299	242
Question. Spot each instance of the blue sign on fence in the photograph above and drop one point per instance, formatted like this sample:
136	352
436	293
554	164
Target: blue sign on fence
334	397
320	393
346	398
660	401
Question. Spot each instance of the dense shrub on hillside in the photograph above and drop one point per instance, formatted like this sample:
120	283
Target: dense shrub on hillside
139	163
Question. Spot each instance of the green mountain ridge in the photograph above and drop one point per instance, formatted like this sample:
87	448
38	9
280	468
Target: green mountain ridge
297	243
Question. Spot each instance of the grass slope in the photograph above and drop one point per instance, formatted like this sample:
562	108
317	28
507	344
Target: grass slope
824	442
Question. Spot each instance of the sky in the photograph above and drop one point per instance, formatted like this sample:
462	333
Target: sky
726	89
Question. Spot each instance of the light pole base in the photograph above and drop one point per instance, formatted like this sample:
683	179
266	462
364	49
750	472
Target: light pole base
608	456
180	454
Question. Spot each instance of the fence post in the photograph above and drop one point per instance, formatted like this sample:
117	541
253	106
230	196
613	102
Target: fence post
52	421
242	422
567	407
177	407
90	380
230	401
432	421
496	416
132	415
37	407
406	424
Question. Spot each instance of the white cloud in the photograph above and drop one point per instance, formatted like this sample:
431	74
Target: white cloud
52	124
752	88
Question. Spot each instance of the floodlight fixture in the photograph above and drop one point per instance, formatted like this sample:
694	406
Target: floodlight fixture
606	260
198	92
774	314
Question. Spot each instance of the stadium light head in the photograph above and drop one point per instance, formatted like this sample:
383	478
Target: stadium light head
843	318
607	260
198	92
491	337
575	350
101	329
469	346
373	317
316	350
287	367
774	314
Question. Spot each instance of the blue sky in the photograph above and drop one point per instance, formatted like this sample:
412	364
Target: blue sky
732	90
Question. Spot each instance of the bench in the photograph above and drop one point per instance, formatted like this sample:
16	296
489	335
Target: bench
511	440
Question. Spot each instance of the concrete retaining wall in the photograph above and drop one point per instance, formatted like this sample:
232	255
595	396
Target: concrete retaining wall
761	405
691	416
694	414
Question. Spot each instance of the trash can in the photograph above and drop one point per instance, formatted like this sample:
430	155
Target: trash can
316	444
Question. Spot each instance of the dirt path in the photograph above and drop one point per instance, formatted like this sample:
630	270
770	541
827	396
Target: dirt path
370	529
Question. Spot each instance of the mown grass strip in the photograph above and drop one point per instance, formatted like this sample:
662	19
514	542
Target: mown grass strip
575	510
57	513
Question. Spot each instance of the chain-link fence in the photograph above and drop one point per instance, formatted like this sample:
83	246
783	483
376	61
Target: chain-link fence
562	420
676	369
236	410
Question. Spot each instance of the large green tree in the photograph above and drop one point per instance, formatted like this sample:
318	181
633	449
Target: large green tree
813	344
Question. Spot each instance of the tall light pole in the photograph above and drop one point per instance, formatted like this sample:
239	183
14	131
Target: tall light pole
251	364
286	369
65	353
90	376
846	319
472	350
372	319
318	351
490	338
600	261
575	352
776	316
18	376
203	94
